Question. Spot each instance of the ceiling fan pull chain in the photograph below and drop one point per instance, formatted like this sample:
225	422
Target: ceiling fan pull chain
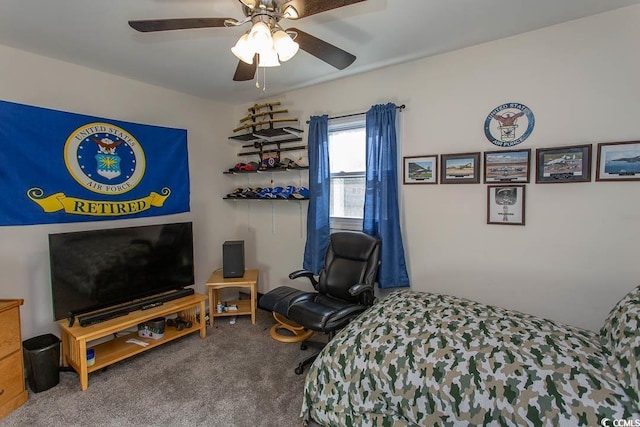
264	79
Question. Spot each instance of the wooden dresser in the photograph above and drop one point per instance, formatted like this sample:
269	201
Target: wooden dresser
12	387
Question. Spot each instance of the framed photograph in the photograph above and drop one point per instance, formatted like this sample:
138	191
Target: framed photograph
618	161
505	204
460	168
563	164
507	166
420	170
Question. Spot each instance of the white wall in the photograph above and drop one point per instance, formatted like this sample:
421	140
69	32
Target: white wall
575	257
43	82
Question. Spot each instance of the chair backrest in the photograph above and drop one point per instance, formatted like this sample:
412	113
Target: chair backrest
351	258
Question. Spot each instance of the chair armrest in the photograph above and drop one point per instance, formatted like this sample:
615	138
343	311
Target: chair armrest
305	273
359	288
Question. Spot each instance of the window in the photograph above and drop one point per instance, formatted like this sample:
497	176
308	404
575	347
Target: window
347	163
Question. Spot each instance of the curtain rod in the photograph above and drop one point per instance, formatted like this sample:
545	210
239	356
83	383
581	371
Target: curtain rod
398	107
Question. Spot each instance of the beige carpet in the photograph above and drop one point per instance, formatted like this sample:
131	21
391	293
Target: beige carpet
237	376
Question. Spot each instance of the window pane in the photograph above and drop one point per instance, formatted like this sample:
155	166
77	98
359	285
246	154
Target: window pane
347	150
347	163
347	196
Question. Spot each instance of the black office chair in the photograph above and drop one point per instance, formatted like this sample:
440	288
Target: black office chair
344	288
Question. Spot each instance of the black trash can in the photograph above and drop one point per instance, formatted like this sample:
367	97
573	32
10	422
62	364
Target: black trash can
42	362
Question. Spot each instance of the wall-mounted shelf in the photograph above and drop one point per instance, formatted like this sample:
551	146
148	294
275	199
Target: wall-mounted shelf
268	135
266	170
260	132
265	199
260	152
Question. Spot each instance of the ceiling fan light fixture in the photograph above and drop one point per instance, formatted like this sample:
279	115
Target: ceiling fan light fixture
243	50
249	3
284	45
291	12
260	37
268	59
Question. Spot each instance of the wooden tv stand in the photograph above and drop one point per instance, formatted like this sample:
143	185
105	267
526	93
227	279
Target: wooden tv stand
75	338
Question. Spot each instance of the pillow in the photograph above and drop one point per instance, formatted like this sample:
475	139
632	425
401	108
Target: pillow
620	340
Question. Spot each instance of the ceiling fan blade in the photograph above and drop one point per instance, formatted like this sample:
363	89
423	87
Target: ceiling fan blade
311	7
322	50
246	71
151	25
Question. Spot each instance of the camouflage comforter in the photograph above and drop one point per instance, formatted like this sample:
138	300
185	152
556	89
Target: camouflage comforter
420	359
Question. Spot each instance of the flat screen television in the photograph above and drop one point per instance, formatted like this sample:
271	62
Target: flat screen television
97	269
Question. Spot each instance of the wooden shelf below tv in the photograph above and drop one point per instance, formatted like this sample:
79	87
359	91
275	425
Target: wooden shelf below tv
76	339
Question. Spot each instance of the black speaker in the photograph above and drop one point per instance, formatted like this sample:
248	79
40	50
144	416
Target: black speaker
233	258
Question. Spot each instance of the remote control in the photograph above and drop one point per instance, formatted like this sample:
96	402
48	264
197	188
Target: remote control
138	342
151	305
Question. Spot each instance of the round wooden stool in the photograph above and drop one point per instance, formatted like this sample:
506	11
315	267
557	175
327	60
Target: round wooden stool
297	332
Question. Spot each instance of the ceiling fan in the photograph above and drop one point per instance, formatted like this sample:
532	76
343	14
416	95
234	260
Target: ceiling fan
256	48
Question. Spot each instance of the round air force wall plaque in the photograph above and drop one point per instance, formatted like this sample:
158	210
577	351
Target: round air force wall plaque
509	124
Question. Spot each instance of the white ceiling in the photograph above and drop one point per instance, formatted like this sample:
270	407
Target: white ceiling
95	33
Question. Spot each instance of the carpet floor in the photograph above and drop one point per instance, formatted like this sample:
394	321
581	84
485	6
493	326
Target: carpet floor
237	376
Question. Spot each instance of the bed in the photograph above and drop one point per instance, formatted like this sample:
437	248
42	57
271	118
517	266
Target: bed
423	359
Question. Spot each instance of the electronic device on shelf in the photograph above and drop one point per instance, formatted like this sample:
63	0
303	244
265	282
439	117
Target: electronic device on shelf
179	323
233	258
97	275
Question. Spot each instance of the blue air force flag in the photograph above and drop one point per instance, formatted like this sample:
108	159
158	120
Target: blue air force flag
64	167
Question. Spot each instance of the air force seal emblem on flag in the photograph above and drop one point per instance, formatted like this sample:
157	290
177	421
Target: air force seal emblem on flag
104	158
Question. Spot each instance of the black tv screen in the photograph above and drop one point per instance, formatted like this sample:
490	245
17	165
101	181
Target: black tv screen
92	270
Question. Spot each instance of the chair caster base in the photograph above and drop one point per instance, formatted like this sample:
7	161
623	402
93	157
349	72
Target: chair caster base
308	361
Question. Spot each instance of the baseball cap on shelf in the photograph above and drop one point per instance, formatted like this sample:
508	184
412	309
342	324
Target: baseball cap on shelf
265	193
251	166
287	163
286	192
235	193
237	167
270	160
244	192
276	192
301	193
250	193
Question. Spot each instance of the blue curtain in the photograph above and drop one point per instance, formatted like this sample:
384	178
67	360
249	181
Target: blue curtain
318	226
381	214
